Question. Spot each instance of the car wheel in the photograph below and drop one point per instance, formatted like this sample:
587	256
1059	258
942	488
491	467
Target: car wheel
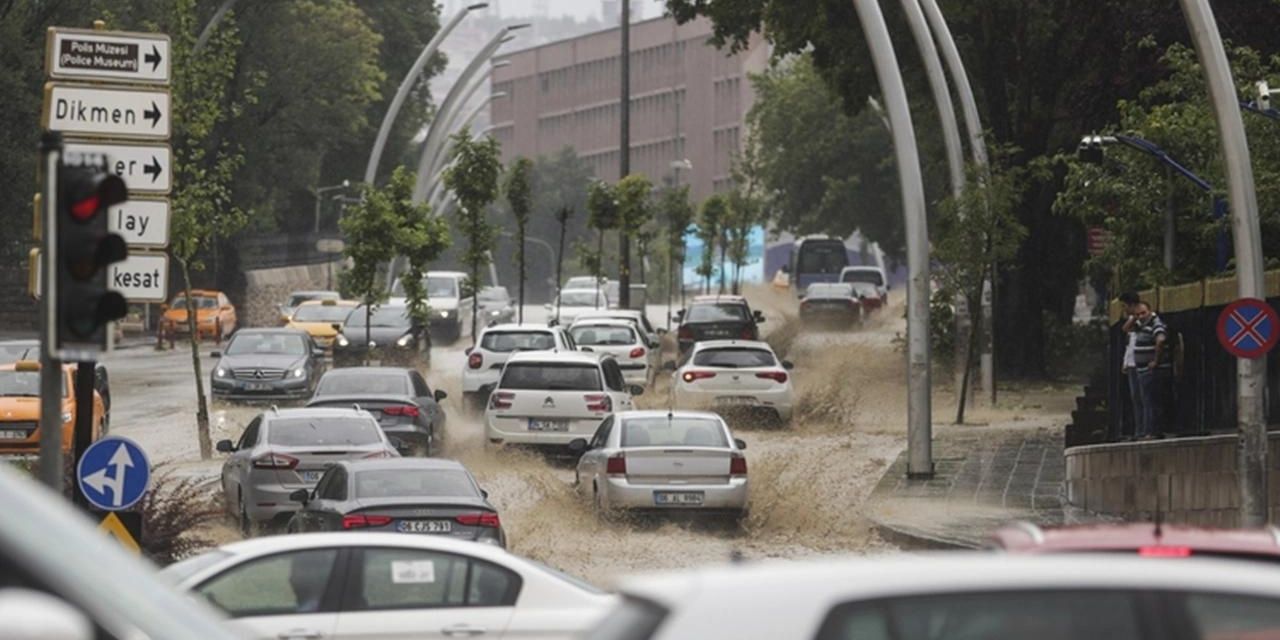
247	528
217	332
597	505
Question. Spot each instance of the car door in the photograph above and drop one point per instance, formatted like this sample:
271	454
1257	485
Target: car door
320	512
237	464
292	595
395	593
589	465
427	401
617	387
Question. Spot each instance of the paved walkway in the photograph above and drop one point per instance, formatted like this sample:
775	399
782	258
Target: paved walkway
985	476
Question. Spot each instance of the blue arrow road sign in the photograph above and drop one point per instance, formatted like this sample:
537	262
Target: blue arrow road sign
113	474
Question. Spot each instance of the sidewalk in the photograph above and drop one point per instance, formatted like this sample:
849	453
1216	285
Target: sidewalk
985	476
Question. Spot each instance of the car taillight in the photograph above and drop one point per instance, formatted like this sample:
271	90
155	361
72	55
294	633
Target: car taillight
475	360
616	466
598	402
852	304
401	410
478	519
637	352
684	333
748	333
380	454
275	461
690	376
501	399
1164	552
776	376
737	466
361	521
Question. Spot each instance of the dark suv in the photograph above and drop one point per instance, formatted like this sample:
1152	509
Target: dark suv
717	318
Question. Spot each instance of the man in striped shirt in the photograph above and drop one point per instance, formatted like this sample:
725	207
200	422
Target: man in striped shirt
1153	364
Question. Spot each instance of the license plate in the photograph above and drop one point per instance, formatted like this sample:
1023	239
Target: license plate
678	497
311	476
735	401
424	526
256	386
12	434
548	425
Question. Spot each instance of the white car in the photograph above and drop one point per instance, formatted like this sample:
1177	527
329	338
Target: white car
550	398
970	596
868	274
388	586
635	316
638	359
572	302
449	296
664	461
495	345
734	375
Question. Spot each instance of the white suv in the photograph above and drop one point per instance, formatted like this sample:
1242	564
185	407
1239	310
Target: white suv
552	398
734	375
638	359
635	316
496	344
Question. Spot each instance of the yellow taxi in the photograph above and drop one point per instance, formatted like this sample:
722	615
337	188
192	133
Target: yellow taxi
322	319
215	315
20	409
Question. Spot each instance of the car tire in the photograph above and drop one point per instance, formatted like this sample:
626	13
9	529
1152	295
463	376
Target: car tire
597	505
247	528
217	332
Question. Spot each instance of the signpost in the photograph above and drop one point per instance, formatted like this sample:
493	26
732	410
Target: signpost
113	474
116	112
113	56
142	277
142	223
1248	328
145	168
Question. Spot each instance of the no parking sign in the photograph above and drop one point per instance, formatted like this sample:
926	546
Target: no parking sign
1248	328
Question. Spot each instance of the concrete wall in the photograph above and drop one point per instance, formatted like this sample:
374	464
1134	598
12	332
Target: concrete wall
1189	480
267	288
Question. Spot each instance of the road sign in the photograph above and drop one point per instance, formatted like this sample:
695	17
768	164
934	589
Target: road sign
33	273
114	112
113	473
125	527
1248	328
142	277
145	168
107	55
142	223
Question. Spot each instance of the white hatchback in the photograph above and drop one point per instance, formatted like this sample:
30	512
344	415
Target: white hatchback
551	398
734	375
571	302
637	358
495	345
634	316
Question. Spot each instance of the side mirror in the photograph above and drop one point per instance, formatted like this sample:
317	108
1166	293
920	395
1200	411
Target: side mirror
225	446
586	349
301	496
336	326
788	365
484	494
577	445
636	390
468	350
215	354
547	306
439	395
758	316
740	443
669	365
317	351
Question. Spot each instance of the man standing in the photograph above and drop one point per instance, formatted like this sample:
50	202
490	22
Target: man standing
1129	368
1151	360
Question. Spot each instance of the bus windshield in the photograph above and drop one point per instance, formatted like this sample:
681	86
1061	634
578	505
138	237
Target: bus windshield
821	256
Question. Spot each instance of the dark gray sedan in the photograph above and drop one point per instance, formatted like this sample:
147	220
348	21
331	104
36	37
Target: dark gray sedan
406	495
406	408
267	364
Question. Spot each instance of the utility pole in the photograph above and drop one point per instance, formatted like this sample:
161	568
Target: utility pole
50	469
624	152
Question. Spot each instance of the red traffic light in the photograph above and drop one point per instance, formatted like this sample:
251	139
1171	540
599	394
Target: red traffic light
88	191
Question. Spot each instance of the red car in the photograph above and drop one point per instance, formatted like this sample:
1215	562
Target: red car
1144	539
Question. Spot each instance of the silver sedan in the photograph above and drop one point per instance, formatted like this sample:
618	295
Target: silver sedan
663	461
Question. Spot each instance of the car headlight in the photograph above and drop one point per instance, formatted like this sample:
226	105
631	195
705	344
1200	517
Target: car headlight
444	314
299	372
66	417
495	312
341	340
405	340
219	373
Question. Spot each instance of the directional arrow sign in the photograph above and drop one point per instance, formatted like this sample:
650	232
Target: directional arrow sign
145	168
142	223
113	473
107	55
142	277
107	111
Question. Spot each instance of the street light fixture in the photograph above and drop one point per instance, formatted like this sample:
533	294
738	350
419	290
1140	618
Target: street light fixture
319	193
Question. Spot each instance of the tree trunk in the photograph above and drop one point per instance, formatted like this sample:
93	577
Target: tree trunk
560	268
968	364
202	404
722	248
520	286
368	318
599	274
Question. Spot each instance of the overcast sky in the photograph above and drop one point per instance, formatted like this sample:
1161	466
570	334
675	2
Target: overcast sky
643	9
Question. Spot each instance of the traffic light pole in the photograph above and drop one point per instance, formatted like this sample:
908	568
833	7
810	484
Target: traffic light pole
85	383
50	470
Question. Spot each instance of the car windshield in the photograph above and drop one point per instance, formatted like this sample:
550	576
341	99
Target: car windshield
425	483
442	287
15	351
321	313
677	431
355	382
602	335
395	316
202	302
494	295
584	282
551	376
864	275
267	344
829	290
734	358
822	257
306	432
24	384
508	341
178	572
717	312
580	299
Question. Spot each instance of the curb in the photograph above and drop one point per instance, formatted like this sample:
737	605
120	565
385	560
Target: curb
915	540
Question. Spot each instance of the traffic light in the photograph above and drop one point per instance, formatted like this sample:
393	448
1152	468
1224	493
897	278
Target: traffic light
85	249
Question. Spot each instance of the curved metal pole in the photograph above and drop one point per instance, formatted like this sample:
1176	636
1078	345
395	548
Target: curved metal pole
452	119
207	31
1251	374
436	183
919	403
406	85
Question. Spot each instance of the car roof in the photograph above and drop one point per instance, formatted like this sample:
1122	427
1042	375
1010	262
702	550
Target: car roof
660	413
583	357
514	326
275	544
634	314
831	580
403	464
316	412
582	290
270	331
723	298
721	344
334	302
21	342
356	371
13	365
200	293
451	274
862	267
315	292
1023	537
602	322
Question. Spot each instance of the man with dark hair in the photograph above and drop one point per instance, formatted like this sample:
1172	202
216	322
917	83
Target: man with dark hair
1153	364
1128	367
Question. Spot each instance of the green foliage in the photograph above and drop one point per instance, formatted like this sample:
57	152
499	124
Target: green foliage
520	196
634	213
711	220
420	240
473	179
370	227
602	206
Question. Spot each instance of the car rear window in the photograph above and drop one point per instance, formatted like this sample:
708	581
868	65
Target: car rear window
508	341
551	376
364	384
717	313
394	483
868	276
734	358
306	432
673	432
603	335
829	290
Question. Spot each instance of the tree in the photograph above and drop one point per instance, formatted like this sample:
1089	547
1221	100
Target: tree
711	232
520	197
677	212
634	212
473	179
746	207
420	239
563	215
602	215
371	228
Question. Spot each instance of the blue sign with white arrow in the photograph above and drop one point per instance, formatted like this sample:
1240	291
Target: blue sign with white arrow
113	474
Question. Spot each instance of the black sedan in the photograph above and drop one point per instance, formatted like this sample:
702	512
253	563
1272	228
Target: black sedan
833	304
267	364
386	336
399	398
405	495
723	317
